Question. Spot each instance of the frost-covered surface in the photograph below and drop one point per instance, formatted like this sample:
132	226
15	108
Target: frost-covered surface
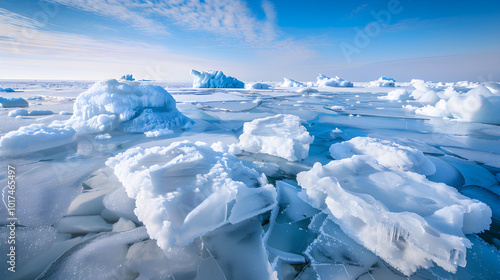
383	82
186	190
281	135
291	83
111	105
402	217
324	81
214	79
35	137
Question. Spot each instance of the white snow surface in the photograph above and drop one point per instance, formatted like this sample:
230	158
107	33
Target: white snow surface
387	153
131	107
324	81
400	216
186	190
281	135
214	79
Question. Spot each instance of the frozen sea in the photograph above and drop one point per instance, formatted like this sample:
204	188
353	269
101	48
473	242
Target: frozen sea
82	217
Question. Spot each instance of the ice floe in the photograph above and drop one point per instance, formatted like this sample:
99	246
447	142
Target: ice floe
324	81
214	79
383	82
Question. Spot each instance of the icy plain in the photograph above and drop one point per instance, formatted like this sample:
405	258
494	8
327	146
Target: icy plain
361	181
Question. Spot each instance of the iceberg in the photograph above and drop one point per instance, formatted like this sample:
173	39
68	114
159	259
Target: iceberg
280	135
214	79
187	190
383	82
291	83
127	77
10	102
324	81
258	86
112	105
401	216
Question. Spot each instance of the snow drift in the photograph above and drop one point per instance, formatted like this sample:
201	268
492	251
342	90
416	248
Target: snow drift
186	190
111	105
214	79
281	135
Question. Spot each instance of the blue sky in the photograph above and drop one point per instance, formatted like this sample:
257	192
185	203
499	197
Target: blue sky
251	40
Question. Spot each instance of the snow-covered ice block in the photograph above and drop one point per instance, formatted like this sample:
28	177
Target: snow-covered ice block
123	225
291	83
396	95
186	190
214	79
383	82
118	203
402	217
387	153
18	112
324	81
103	137
87	203
159	132
258	86
307	90
35	137
429	98
438	110
40	112
13	102
477	105
7	90
280	135
82	224
111	105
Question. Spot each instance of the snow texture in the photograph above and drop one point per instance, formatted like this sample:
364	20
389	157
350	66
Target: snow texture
186	190
112	105
400	216
214	79
280	135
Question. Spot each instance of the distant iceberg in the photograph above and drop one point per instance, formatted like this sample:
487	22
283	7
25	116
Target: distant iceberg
111	105
128	77
324	81
383	82
214	79
13	102
258	86
291	83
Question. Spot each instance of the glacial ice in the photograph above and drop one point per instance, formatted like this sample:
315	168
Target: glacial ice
383	82
291	83
401	216
324	81
186	190
10	102
280	135
111	105
214	79
387	153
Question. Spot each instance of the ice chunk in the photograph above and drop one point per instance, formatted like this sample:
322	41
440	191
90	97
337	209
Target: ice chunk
111	105
118	203
386	153
6	90
258	86
402	217
383	82
291	83
307	90
128	77
40	112
18	112
493	87
280	135
396	95
186	190
82	224
35	137
103	137
429	98
13	102
87	203
324	81
123	225
438	110
159	132
214	79
477	105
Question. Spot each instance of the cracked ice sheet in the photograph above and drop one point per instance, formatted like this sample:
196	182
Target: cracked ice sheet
186	190
402	217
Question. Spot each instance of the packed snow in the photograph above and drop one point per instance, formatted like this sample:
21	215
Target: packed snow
282	135
214	79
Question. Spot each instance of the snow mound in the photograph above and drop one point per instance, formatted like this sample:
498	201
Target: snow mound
214	79
397	95
158	133
13	102
387	153
383	82
111	105
186	190
402	217
35	137
291	83
18	112
477	105
258	86
324	81
281	135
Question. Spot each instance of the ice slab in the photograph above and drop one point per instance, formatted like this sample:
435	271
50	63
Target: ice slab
291	83
10	102
383	82
281	135
82	224
214	79
402	217
324	81
186	190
